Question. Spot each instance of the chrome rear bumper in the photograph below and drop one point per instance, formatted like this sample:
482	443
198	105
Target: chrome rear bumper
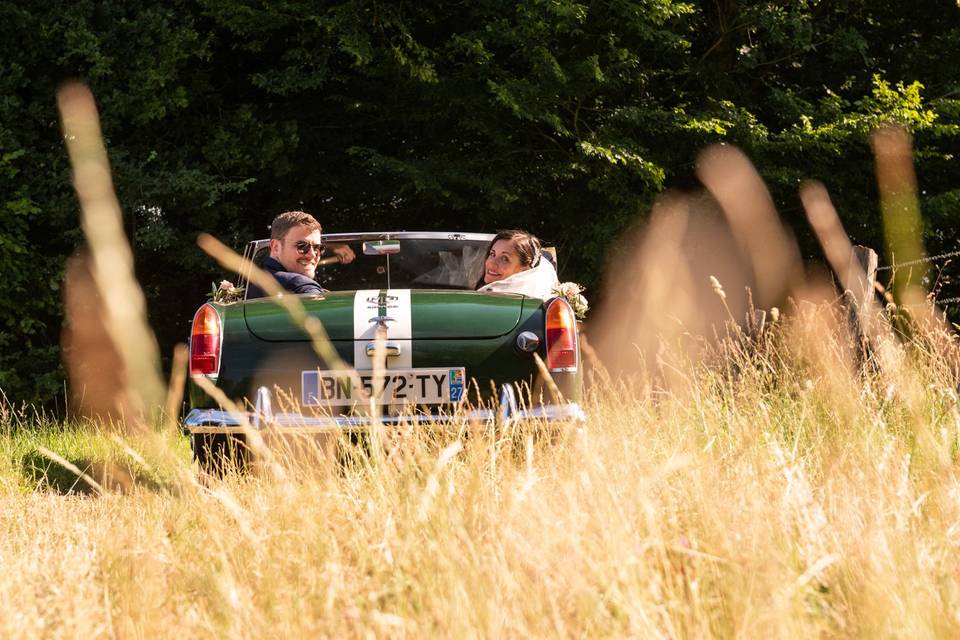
263	417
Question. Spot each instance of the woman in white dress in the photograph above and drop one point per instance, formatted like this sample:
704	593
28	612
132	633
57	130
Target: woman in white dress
515	264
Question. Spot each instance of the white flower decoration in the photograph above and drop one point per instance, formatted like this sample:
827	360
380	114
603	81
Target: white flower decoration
226	293
572	293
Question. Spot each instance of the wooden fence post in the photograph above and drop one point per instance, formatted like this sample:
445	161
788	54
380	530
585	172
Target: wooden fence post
859	283
862	274
756	322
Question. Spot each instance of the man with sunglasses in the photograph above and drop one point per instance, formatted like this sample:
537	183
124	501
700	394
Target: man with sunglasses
295	248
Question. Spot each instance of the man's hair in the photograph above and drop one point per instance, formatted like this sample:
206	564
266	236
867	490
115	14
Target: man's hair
290	219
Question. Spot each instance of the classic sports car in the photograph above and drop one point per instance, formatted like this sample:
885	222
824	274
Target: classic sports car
451	352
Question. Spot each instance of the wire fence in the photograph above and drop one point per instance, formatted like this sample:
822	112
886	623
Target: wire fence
925	260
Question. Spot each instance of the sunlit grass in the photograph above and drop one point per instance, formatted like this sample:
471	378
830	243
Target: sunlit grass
33	448
768	496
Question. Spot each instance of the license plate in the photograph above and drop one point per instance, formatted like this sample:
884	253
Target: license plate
397	386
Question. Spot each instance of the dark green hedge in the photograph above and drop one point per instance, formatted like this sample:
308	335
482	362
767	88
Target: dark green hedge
567	118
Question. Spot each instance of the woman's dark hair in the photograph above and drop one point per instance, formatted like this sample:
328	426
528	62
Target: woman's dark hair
526	244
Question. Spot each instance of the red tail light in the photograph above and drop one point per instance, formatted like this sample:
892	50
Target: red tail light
205	342
561	337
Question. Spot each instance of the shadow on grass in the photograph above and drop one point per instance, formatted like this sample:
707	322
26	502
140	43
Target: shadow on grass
46	474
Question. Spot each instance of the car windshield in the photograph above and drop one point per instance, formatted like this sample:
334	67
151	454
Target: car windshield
420	263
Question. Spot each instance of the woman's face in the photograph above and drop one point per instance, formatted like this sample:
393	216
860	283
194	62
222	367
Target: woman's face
502	261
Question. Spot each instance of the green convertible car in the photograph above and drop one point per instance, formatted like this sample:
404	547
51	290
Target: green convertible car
451	353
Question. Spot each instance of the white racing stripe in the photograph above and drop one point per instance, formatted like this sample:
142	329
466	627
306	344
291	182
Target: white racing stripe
399	330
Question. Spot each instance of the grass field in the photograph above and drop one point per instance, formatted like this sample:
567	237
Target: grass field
775	493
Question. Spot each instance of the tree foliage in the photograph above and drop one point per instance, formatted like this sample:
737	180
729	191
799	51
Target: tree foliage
564	117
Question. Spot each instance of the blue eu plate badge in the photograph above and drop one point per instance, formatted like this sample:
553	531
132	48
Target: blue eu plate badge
456	385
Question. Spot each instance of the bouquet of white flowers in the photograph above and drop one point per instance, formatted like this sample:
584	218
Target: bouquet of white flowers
572	293
226	293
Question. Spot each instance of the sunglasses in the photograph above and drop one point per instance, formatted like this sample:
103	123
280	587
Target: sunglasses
303	247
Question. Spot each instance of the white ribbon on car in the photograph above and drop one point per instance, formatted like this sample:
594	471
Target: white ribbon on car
399	327
536	282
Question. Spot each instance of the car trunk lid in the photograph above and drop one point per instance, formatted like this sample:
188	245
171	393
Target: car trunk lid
407	314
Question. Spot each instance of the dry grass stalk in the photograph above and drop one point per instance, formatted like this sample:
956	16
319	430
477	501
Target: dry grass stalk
99	386
731	179
903	228
111	259
175	390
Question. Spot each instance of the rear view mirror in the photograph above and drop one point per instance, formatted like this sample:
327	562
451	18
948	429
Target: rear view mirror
381	247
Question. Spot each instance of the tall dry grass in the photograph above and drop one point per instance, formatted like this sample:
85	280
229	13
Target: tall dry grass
783	478
768	497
